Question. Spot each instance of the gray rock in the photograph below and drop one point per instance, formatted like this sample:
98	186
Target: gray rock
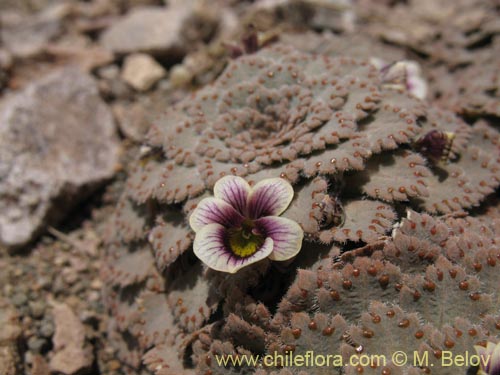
109	72
157	30
27	36
114	89
57	143
44	282
35	344
47	329
19	299
37	309
132	119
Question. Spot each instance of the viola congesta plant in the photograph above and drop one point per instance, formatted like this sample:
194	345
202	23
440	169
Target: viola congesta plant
240	225
308	157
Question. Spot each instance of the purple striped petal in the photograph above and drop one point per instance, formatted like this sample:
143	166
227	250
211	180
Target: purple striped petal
210	246
494	367
269	197
287	236
481	352
213	210
489	357
233	190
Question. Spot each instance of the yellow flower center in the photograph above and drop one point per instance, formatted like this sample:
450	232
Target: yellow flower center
245	241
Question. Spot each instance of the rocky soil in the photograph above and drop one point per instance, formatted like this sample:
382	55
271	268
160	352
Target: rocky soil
80	82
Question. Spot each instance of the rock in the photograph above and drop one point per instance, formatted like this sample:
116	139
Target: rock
47	329
6	59
115	89
132	120
109	72
114	365
86	58
8	360
35	344
27	36
157	30
26	6
180	76
57	144
141	71
19	299
335	15
6	62
37	308
11	330
40	366
69	330
71	353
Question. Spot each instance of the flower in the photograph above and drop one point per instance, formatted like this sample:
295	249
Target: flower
240	225
404	75
490	358
435	145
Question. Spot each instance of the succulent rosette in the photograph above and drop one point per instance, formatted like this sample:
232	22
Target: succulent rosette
240	225
359	148
490	358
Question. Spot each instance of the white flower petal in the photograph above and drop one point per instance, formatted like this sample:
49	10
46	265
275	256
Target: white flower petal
210	246
233	190
213	210
487	356
269	197
287	236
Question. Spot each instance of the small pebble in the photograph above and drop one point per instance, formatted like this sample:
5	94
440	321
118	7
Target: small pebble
141	71
37	309
18	272
96	284
94	296
36	344
58	286
114	365
119	89
180	76
70	275
8	290
6	59
60	260
28	357
109	72
19	299
47	329
79	287
44	282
